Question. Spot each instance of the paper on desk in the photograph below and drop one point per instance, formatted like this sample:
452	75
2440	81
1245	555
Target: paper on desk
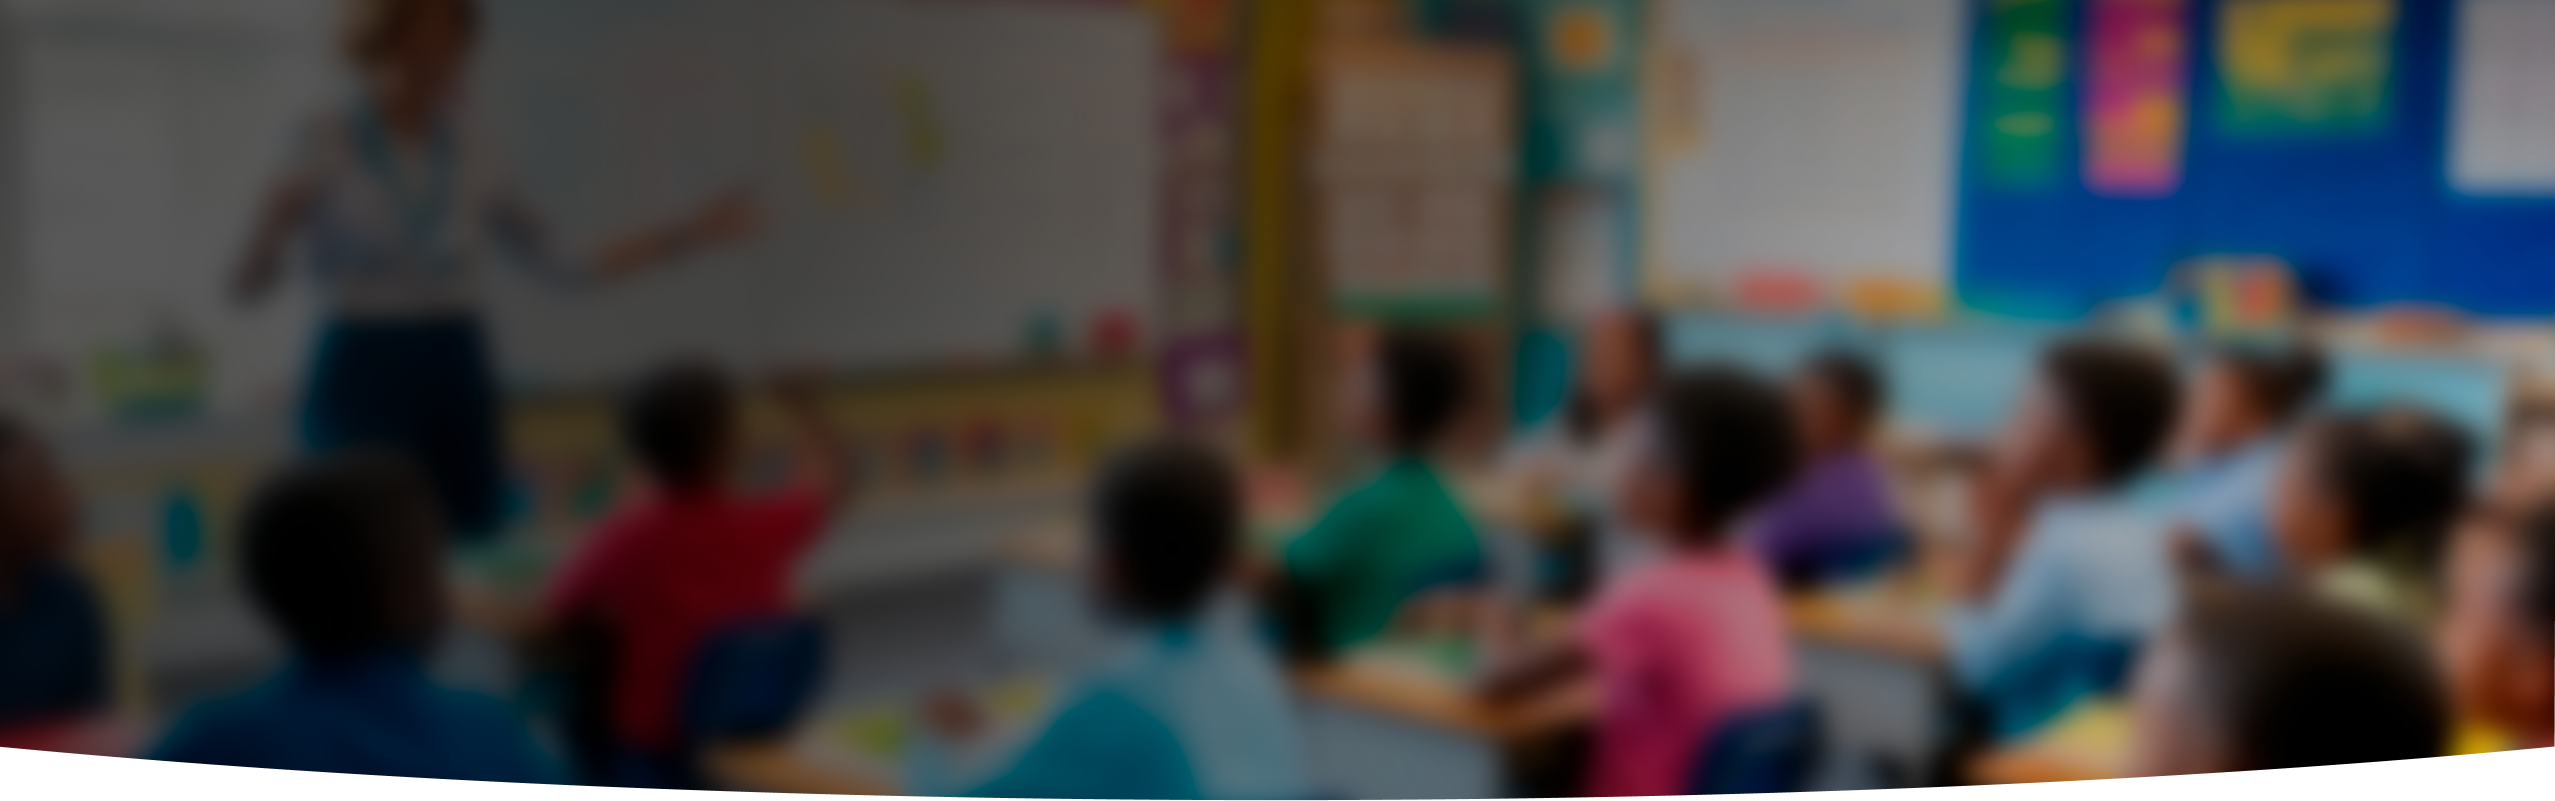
2094	734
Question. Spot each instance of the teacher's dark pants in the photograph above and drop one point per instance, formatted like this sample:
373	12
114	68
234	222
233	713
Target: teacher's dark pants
420	386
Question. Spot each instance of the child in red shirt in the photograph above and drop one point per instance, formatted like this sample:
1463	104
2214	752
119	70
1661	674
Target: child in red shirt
698	553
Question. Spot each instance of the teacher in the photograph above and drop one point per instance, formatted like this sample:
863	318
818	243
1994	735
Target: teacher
396	204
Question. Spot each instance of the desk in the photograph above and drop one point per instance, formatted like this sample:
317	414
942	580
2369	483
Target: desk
775	766
1895	616
96	735
2089	742
1443	702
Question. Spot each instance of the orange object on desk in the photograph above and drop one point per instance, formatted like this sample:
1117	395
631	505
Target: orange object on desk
100	735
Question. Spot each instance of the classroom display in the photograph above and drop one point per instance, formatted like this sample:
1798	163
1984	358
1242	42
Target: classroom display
2387	150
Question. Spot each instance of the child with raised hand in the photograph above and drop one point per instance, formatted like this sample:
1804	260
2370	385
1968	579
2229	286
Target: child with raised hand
1403	534
698	552
1193	704
2363	504
53	638
1694	639
2255	676
2070	572
1836	519
2241	409
343	557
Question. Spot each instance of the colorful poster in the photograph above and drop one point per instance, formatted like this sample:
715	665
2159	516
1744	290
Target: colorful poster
2135	105
2313	67
2024	108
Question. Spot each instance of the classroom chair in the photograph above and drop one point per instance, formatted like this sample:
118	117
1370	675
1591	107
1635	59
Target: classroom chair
1771	750
751	679
754	679
1860	560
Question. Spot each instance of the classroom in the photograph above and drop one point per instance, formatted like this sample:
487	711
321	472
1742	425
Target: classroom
1357	399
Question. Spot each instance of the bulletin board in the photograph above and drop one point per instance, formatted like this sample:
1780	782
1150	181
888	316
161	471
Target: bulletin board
2389	149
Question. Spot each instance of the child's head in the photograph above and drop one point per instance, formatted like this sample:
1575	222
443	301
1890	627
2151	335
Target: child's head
36	509
412	48
340	555
1624	355
2264	676
2097	416
1166	520
2496	635
2245	390
1839	396
2381	483
1724	442
1421	383
681	423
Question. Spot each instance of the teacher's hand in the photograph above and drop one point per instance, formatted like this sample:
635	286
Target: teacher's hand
727	219
730	218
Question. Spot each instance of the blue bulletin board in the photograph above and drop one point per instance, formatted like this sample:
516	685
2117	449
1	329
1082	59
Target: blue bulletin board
2347	179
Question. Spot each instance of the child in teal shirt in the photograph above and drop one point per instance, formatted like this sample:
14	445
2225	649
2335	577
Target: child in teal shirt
1403	533
1191	703
340	555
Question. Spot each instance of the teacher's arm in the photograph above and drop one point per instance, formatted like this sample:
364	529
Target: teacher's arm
729	218
287	205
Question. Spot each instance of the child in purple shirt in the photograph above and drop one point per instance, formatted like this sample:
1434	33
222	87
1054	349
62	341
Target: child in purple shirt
1835	520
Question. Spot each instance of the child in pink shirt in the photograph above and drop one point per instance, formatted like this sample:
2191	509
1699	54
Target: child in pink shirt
1681	646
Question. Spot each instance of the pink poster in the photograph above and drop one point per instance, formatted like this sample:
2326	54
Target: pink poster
2136	97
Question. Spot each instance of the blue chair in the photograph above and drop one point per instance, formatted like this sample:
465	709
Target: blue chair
753	679
1770	750
1848	562
750	680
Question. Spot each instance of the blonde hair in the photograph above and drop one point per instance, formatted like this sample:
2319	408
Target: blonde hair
373	27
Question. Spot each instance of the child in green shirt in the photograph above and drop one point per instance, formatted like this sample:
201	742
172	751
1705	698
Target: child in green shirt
1402	533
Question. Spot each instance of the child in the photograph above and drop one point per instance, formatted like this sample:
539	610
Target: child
1696	638
52	632
1193	706
1403	533
2069	574
2240	411
697	554
2263	677
1583	453
1836	519
2496	632
2363	503
342	557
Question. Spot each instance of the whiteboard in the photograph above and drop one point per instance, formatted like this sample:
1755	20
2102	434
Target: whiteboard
1823	139
933	174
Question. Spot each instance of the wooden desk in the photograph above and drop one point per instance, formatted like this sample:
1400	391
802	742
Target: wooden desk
96	735
1437	702
775	766
1897	616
